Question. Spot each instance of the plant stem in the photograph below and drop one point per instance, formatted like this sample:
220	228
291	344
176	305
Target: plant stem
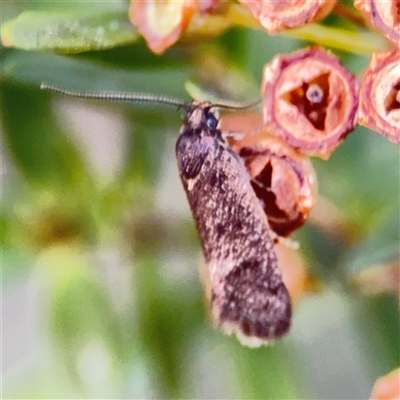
352	41
351	14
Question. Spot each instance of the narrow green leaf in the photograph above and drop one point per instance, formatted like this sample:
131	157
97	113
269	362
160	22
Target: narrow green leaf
80	312
381	248
84	75
44	156
69	32
219	81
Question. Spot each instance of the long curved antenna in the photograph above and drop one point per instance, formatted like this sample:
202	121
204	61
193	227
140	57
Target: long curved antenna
125	97
139	98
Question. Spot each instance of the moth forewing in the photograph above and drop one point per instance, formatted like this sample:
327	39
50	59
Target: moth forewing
248	296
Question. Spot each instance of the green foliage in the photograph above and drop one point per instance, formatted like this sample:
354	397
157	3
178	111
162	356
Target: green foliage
109	260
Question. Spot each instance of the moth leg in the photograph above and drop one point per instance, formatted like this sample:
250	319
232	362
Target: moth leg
233	135
287	242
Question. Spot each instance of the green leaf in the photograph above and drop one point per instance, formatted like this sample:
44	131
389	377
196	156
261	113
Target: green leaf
80	311
381	248
362	179
44	156
218	80
69	32
83	75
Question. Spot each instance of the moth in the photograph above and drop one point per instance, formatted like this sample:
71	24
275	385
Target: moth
248	296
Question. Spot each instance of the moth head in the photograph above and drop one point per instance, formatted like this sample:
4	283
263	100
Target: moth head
203	119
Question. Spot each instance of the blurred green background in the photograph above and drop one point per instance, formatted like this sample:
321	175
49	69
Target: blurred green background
100	290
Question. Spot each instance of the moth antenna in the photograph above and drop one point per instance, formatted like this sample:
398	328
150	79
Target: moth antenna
123	97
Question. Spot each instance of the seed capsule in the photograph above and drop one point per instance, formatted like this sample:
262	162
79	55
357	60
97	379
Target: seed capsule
383	15
380	95
276	16
283	179
310	100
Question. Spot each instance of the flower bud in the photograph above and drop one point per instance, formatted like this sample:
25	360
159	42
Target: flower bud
161	22
297	278
387	387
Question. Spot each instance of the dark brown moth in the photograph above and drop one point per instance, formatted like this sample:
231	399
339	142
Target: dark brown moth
248	296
